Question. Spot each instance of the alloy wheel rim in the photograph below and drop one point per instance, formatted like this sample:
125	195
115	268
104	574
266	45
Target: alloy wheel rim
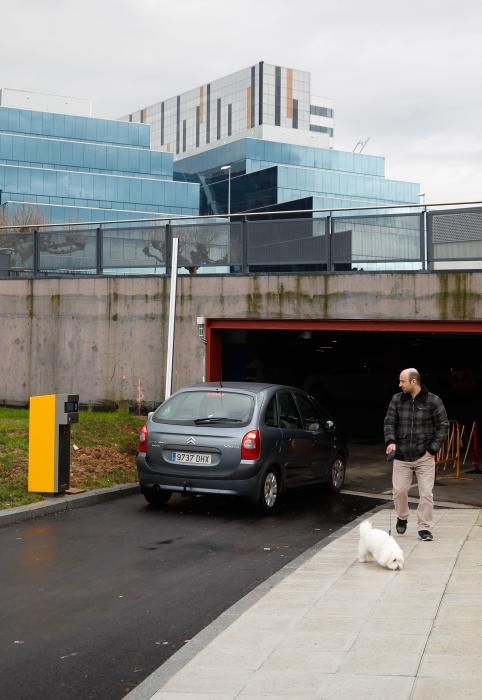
337	472
270	489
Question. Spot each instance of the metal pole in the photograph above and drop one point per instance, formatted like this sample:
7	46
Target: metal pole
36	253
228	168
99	251
244	245
329	242
469	442
172	316
229	192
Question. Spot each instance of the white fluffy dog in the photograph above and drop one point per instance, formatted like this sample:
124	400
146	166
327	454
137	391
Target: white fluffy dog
378	545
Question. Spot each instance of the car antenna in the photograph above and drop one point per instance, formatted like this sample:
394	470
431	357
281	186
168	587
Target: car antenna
221	384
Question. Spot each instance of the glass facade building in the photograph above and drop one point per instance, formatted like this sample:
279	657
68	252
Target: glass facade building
170	158
70	168
275	136
265	174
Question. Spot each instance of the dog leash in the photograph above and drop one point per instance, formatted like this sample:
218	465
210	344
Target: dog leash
390	457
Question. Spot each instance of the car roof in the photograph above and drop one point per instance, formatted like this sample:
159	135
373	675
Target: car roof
252	387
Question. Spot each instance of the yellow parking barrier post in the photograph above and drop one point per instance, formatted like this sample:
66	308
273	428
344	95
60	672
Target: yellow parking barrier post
50	419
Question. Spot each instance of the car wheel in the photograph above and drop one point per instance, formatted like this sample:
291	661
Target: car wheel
337	474
269	492
156	497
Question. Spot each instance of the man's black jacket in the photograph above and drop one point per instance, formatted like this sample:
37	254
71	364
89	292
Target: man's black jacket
415	425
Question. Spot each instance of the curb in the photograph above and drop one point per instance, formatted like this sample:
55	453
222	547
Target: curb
62	503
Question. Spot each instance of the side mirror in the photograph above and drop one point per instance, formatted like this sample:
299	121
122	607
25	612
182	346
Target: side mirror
329	425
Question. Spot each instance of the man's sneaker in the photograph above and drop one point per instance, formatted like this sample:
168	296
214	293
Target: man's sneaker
401	526
425	535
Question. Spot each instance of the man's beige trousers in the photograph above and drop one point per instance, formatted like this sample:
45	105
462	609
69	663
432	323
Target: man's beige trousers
424	469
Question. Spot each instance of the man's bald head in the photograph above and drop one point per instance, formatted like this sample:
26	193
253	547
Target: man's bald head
410	381
412	373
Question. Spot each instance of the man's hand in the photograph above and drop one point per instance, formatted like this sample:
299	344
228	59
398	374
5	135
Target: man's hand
390	451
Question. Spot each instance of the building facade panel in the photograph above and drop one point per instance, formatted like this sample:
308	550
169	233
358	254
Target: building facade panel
24	121
55	168
37	151
52	186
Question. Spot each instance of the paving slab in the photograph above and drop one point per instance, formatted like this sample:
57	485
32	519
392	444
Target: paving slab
444	688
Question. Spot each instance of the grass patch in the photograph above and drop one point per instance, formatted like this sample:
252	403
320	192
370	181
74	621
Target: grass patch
106	442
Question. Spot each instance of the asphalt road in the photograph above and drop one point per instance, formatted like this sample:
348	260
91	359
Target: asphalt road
93	600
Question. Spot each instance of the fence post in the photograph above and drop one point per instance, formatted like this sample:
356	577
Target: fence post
36	253
329	243
423	238
429	238
168	247
99	250
244	245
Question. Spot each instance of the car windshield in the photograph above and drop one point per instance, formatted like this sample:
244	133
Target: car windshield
205	407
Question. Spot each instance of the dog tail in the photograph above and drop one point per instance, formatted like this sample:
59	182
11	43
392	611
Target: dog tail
365	527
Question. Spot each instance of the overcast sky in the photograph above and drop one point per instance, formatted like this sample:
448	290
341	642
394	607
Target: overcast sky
405	74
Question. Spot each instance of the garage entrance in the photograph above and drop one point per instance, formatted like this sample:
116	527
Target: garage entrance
352	367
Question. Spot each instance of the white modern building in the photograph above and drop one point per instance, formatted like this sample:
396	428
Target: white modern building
263	101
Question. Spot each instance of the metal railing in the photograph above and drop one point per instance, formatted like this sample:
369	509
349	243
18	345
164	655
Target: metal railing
406	237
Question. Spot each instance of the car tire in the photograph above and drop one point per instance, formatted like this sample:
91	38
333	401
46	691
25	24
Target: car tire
269	491
337	474
156	497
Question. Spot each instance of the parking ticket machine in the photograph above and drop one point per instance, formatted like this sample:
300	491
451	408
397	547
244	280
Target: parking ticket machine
49	442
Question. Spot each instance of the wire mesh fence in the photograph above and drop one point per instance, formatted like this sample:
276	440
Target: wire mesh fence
421	240
455	238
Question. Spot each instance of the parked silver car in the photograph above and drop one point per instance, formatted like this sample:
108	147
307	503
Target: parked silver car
238	438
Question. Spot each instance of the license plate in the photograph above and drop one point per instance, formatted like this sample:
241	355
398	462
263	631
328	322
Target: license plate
191	458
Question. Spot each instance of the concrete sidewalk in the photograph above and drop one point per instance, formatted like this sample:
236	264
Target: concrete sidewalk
329	627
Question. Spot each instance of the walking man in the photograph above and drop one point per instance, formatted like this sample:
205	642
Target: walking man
415	427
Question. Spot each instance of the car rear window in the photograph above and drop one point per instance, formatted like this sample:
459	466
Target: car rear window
206	407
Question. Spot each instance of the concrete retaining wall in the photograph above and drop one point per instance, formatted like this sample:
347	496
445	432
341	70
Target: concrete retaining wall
105	338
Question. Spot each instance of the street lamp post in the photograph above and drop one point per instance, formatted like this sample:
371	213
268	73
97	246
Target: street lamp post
228	168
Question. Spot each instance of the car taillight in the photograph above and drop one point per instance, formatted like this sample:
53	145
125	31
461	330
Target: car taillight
251	445
143	440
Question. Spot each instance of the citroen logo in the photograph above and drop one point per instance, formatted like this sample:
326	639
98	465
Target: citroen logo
191	441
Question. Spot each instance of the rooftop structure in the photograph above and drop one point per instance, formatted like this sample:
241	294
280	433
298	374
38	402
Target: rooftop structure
58	104
262	101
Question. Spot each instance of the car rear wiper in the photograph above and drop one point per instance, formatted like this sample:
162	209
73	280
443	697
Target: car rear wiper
217	419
